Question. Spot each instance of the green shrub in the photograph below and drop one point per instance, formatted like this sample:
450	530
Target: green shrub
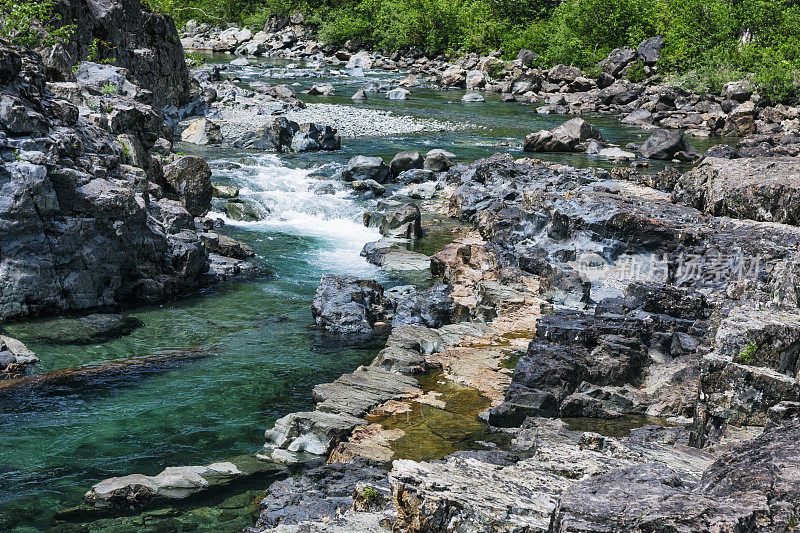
31	23
109	89
636	71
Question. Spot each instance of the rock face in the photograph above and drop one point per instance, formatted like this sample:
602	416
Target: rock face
347	305
570	136
755	188
146	44
190	178
87	218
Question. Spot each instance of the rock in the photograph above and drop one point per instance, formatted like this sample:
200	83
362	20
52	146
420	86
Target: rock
226	246
369	185
438	160
145	44
409	81
454	77
360	60
398	94
616	154
240	210
431	308
638	117
764	188
472	97
475	80
285	135
323	492
419	175
402	222
361	168
617	60
346	305
240	62
649	50
404	161
224	191
202	131
563	73
16	118
359	95
741	120
175	482
739	91
526	56
323	89
14	358
422	191
394	259
190	178
570	136
666	144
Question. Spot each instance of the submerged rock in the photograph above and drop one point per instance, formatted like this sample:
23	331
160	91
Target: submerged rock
91	329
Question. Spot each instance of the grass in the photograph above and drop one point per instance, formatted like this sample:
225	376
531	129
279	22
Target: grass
746	356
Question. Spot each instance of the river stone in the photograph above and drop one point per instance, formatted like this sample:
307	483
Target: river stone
571	136
240	210
363	168
404	161
369	185
190	178
419	175
403	221
764	188
472	97
323	89
224	191
438	160
202	131
240	62
398	94
666	145
347	305
359	95
475	79
14	357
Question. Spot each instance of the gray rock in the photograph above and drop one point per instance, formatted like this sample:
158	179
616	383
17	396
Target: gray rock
755	188
472	97
403	221
666	144
570	136
190	178
238	209
348	305
361	168
202	131
404	161
398	94
739	91
438	160
649	50
526	56
323	89
617	60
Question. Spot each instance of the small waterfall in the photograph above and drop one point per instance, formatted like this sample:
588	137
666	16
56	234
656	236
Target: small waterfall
290	205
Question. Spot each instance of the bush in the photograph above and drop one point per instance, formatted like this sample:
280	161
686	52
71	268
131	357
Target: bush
30	23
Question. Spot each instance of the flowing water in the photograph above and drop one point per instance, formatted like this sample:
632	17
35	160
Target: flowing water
256	354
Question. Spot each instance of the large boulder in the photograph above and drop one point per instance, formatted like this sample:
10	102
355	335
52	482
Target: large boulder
649	50
362	168
347	305
284	135
762	188
190	178
571	136
405	161
403	222
617	60
667	145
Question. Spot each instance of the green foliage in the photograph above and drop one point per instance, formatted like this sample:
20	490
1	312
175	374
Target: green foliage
707	42
370	493
636	72
746	357
31	23
108	89
97	50
194	60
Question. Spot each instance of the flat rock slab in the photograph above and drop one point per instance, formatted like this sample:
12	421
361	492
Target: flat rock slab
357	393
760	188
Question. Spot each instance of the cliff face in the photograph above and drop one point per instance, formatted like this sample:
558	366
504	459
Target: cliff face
146	44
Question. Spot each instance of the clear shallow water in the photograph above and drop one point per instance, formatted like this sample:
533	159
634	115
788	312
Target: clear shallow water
259	355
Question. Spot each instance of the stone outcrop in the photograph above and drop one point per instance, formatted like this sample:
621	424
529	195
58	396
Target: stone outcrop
347	305
144	43
753	188
88	218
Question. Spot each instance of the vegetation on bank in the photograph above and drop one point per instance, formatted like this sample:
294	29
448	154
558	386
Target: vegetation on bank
707	42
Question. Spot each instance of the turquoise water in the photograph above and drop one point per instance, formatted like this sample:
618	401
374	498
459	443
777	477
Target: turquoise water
256	354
